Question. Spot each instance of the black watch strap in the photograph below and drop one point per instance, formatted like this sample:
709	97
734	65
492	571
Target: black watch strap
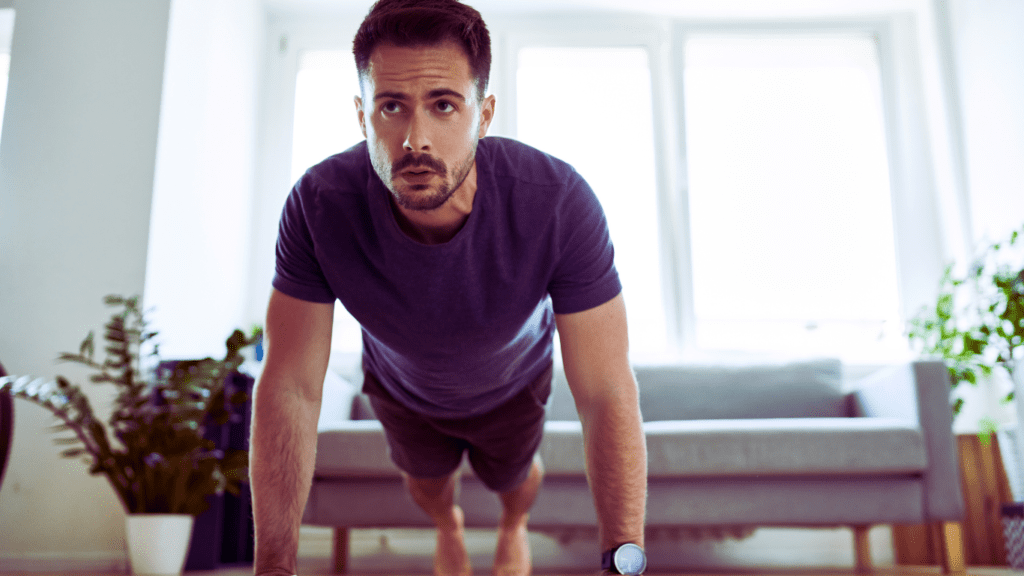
606	561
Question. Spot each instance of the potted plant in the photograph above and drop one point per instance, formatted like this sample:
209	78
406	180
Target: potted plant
977	322
152	449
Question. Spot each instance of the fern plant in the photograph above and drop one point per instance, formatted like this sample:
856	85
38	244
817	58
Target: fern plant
152	449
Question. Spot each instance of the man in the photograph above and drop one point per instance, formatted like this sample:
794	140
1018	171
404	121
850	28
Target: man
459	256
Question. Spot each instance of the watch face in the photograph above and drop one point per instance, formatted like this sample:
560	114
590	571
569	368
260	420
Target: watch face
630	559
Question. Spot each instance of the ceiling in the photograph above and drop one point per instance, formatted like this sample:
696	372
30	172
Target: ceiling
677	8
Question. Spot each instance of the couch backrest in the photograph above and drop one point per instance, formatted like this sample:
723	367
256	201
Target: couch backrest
806	389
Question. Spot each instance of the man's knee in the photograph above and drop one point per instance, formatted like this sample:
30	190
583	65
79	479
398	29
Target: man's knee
502	477
530	480
432	489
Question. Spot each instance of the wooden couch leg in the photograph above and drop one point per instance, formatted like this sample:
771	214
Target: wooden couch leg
953	548
340	550
862	549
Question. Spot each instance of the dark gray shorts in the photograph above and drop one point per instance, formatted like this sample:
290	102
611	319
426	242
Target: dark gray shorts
501	443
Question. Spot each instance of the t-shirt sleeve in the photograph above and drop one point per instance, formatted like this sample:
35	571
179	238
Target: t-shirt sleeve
297	271
585	276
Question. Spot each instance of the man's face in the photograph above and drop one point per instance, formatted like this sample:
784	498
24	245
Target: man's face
422	119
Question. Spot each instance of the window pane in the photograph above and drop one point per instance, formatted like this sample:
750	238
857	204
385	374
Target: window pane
791	223
325	114
592	108
325	124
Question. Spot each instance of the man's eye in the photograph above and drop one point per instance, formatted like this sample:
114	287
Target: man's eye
391	107
445	106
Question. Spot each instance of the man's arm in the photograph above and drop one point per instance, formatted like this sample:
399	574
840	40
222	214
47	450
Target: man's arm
595	353
286	406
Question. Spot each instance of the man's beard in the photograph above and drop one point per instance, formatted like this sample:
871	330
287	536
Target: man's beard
414	200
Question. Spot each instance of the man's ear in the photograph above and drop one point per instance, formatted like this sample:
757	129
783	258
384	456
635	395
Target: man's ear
360	115
486	115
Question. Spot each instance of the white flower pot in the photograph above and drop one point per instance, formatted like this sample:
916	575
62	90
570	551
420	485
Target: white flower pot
158	543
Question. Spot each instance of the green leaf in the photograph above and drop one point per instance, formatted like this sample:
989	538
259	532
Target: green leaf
66	441
235	342
88	347
113	300
74	452
987	427
944	306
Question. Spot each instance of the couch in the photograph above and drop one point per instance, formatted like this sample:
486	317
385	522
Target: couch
730	447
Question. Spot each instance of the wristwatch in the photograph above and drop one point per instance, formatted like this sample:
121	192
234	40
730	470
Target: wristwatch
626	559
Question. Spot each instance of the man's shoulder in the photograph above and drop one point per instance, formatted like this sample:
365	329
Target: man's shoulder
349	169
513	159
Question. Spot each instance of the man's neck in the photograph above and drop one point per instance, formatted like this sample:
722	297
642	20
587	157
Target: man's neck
441	224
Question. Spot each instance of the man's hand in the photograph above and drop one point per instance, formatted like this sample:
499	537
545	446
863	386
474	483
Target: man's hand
595	351
286	407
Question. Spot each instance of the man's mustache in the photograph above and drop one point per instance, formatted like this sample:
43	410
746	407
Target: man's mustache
413	161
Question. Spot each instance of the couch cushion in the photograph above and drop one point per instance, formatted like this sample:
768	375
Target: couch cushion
754	447
805	389
708	448
353	448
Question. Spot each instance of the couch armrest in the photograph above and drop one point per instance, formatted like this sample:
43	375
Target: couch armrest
919	391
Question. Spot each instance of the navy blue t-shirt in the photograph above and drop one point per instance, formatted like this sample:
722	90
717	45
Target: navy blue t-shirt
454	329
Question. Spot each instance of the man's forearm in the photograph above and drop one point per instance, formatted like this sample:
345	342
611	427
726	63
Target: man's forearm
617	469
282	456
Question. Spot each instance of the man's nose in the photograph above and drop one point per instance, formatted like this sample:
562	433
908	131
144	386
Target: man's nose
417	139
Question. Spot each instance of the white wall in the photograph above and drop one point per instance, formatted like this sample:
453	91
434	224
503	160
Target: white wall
116	106
199	245
76	177
989	43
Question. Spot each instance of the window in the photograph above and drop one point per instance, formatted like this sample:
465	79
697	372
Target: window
748	173
324	124
592	108
6	32
789	200
325	114
790	225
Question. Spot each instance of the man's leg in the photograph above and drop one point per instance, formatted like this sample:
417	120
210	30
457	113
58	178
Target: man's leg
437	498
512	554
418	448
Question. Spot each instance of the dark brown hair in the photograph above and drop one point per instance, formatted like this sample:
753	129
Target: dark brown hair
426	22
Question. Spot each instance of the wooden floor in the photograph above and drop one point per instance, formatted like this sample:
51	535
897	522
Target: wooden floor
885	571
